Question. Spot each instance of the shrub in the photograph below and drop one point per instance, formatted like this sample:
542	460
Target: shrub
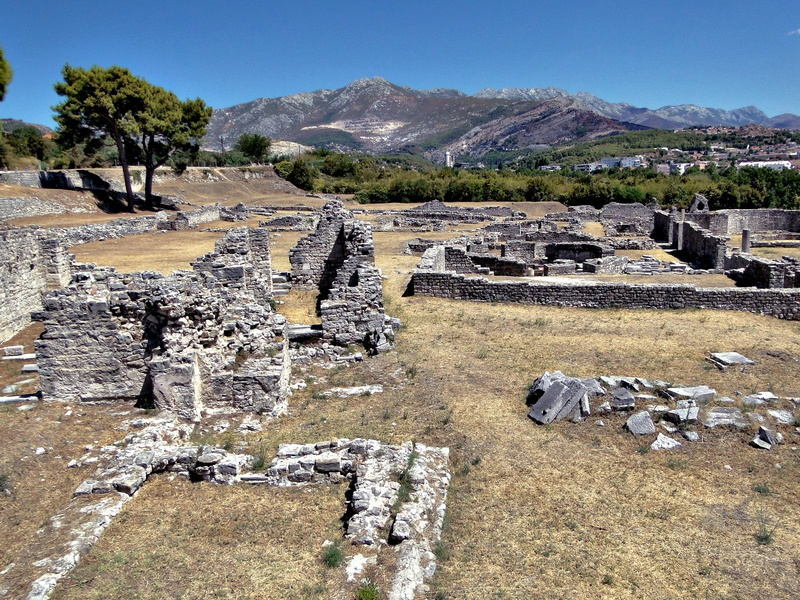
333	556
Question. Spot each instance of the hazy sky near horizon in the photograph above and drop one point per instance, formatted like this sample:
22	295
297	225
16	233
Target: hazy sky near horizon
717	53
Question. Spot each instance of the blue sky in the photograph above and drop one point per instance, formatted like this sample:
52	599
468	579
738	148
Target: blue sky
722	54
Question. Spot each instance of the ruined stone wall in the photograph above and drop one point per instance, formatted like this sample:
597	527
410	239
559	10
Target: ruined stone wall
67	179
662	226
22	279
732	221
186	219
579	252
634	211
762	272
316	253
338	259
784	304
44	251
118	228
20	207
704	248
762	219
189	342
528	252
456	260
505	267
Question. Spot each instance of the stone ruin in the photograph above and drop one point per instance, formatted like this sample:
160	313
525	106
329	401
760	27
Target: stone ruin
395	498
190	342
338	260
436	216
675	409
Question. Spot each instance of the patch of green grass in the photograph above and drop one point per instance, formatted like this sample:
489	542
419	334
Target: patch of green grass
441	551
367	590
332	556
259	457
762	489
765	527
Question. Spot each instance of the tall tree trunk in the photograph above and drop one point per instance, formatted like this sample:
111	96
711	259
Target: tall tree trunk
126	174
149	171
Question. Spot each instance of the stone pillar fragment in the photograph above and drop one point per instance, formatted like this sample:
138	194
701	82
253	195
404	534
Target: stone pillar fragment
745	240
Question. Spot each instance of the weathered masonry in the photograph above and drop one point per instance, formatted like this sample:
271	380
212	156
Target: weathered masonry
195	340
338	260
36	259
431	279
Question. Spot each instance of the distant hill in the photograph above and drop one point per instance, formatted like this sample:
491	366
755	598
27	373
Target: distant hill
12	124
666	117
374	115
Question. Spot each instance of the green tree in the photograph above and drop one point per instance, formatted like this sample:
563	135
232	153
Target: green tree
253	146
301	175
144	121
166	126
100	103
5	75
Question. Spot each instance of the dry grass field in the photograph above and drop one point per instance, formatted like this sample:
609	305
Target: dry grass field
562	511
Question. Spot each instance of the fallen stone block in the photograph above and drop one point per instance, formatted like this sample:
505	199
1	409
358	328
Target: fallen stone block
784	417
640	423
764	439
724	417
13	350
683	415
361	390
698	393
759	398
559	401
723	360
664	442
622	399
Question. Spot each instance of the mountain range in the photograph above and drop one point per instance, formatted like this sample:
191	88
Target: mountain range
374	115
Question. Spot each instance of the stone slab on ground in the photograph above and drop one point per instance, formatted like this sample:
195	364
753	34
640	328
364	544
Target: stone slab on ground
664	442
724	416
31	356
559	401
698	393
764	439
640	423
724	360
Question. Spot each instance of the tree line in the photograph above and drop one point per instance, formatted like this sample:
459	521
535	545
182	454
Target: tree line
374	180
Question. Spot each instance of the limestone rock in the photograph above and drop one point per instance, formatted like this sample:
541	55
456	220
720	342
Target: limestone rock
559	401
640	423
724	417
664	442
764	439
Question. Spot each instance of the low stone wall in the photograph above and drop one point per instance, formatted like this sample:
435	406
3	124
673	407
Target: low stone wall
783	304
67	179
20	207
187	219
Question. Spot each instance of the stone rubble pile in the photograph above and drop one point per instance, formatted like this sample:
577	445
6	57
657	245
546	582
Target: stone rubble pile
160	446
554	396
